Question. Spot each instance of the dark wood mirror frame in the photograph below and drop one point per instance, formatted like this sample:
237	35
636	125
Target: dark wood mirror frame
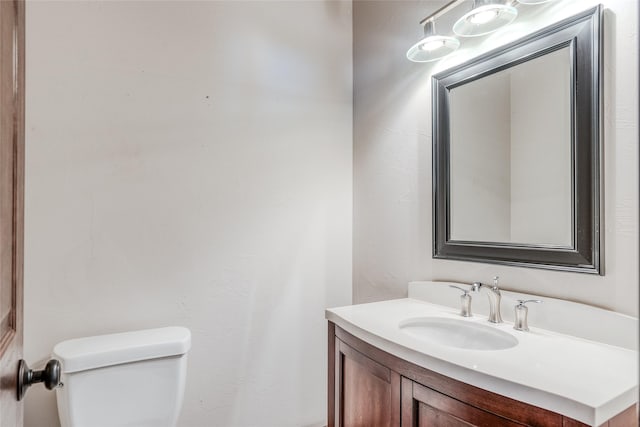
582	34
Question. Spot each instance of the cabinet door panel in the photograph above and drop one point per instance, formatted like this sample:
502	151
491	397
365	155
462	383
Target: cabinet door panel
424	407
370	392
428	416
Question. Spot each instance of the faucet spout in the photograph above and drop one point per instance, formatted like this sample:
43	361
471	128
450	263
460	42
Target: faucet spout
475	286
494	302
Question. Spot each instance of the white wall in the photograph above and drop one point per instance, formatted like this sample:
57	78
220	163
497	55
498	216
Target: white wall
190	163
392	156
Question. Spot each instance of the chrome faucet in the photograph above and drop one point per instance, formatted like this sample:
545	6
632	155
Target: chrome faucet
494	302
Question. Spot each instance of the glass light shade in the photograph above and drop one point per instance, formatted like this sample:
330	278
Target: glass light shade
432	48
483	17
484	20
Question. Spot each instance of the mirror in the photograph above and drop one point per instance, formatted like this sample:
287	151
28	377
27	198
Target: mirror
516	152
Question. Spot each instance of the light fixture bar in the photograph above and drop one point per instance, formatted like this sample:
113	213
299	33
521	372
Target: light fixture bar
444	9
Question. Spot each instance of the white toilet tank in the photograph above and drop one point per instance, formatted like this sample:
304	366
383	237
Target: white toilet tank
128	379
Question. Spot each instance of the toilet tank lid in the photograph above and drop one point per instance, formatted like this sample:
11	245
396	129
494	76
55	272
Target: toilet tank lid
81	354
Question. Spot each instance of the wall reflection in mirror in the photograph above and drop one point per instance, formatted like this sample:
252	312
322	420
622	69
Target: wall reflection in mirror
510	154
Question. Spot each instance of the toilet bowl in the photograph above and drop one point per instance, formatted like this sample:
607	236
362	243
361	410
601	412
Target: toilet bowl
127	379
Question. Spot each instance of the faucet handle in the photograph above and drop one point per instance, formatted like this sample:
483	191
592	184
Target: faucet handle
495	281
464	291
523	302
465	301
522	311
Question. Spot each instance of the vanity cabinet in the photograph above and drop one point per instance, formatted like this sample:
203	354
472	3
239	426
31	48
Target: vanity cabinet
369	387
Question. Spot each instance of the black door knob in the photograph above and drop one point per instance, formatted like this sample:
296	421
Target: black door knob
50	376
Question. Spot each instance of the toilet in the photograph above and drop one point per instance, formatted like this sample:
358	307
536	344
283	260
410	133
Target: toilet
126	379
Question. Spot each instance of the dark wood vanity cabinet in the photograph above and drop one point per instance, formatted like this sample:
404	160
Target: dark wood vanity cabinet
371	388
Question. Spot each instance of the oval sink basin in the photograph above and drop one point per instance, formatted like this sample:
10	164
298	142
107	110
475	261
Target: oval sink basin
457	333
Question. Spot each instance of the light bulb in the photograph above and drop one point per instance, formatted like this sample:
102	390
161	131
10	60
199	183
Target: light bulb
432	45
483	17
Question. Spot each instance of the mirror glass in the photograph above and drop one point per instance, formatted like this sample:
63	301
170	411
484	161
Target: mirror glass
510	154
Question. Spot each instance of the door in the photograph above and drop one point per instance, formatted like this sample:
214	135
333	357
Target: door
368	393
11	204
424	407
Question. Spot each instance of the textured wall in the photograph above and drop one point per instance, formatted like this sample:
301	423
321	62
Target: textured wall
190	163
392	156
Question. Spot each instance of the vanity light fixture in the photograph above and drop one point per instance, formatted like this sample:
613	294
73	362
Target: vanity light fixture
485	17
432	46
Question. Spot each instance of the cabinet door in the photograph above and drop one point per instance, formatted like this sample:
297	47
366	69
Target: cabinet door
367	393
424	407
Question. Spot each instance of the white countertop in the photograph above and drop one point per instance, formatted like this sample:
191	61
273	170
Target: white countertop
581	379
